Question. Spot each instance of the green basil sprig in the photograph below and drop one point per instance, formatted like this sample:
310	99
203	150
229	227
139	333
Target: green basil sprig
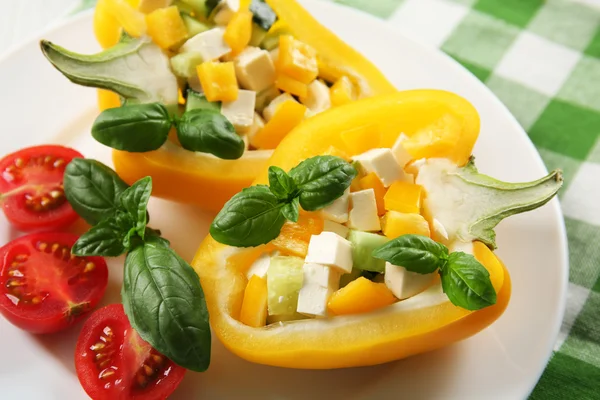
140	128
256	214
161	293
464	280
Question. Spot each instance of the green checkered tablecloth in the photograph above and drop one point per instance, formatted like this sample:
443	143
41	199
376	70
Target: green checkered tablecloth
542	59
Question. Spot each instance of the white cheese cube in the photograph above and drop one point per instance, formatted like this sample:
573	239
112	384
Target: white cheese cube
225	11
240	112
404	284
274	54
254	69
465	247
382	163
331	250
209	44
147	6
260	266
363	211
318	285
400	154
271	109
338	229
439	232
194	83
257	124
317	98
338	210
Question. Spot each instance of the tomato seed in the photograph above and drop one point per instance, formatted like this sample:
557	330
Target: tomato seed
148	370
36	300
21	257
16	273
19	162
141	380
89	267
41	246
58	163
108	372
97	346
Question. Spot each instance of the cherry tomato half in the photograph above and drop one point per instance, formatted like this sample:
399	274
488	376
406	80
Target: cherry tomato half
43	288
114	362
31	187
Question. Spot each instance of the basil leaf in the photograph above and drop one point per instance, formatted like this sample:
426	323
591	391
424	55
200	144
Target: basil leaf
291	210
208	131
135	201
250	218
322	180
280	183
262	14
92	189
165	304
416	253
109	238
467	283
133	128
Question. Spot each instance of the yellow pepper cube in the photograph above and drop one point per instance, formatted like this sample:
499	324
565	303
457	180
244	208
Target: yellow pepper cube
342	92
106	26
371	181
218	81
166	28
334	151
108	99
295	236
438	140
361	139
403	197
254	304
288	115
297	60
239	31
396	224
360	296
132	20
291	85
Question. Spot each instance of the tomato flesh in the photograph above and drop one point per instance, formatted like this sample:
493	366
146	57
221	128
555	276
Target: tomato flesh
114	362
31	183
43	288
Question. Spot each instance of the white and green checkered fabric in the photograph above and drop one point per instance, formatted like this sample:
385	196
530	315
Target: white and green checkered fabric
542	59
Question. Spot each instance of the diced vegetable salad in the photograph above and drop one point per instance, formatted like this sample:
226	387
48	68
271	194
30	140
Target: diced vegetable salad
241	59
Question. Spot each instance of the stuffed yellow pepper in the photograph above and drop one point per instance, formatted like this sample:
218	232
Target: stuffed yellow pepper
369	238
198	93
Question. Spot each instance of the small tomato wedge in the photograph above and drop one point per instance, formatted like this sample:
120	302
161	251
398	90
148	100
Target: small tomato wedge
43	288
31	187
114	362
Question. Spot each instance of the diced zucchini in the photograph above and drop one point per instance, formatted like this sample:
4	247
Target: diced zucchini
258	35
263	14
363	244
193	26
184	7
184	64
284	280
264	97
197	100
201	7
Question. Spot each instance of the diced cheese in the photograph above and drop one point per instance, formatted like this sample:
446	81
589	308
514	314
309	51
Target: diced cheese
400	154
209	44
317	97
257	125
383	164
405	284
260	266
254	69
363	211
331	250
274	54
319	283
338	229
270	110
465	247
439	231
225	11
338	210
240	112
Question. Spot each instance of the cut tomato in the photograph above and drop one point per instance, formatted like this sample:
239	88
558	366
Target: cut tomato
31	187
114	362
43	288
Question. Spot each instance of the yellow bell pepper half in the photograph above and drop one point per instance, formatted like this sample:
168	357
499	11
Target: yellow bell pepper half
425	322
205	180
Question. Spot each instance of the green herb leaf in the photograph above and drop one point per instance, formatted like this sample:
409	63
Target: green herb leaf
467	283
135	201
280	183
416	253
107	239
250	218
133	128
165	304
92	189
291	211
263	14
322	180
208	131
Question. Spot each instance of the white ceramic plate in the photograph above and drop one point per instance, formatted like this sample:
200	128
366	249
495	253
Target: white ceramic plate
38	105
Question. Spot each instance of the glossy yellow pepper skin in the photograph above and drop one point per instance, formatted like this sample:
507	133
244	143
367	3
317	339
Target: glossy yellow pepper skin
203	179
423	323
